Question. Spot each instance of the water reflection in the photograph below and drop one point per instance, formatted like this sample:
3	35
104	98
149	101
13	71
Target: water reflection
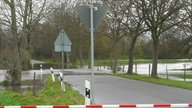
29	84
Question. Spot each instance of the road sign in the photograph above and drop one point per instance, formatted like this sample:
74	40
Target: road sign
62	43
91	17
98	15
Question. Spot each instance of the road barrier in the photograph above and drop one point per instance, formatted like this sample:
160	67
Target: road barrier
110	106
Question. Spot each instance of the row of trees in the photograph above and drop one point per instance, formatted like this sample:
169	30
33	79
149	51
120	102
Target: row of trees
18	19
131	27
153	18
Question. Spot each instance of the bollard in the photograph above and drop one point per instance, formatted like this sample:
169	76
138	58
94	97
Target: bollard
87	92
52	74
62	81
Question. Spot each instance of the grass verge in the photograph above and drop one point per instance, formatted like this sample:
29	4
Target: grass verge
50	95
161	81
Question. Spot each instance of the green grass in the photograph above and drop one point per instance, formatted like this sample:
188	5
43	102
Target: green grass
161	81
50	95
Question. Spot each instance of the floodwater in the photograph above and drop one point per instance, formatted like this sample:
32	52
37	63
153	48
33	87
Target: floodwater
2	75
30	84
40	75
162	68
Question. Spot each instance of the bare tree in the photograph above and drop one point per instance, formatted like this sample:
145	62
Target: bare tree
186	27
134	26
21	17
160	16
116	29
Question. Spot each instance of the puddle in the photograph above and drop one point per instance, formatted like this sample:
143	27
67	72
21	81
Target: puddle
28	85
27	78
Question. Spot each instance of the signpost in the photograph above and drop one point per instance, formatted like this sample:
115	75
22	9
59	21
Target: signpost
92	17
62	44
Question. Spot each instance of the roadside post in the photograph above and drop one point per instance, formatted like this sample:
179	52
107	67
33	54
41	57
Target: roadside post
92	16
87	92
61	78
62	44
52	74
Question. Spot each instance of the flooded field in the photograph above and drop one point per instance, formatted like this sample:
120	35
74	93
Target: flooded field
41	73
162	68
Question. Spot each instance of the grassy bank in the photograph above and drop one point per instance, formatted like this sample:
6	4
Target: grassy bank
179	84
50	95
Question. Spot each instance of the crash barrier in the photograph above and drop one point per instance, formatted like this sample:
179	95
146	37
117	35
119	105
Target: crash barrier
110	106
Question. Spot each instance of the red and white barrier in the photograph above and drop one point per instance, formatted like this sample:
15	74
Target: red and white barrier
110	106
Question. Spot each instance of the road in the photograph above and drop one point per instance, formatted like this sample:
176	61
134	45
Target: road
115	90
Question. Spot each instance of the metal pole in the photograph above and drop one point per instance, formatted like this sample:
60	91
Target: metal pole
92	54
62	76
62	54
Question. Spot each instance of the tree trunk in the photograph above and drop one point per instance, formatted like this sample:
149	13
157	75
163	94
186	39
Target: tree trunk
16	71
155	59
131	49
16	77
130	66
115	59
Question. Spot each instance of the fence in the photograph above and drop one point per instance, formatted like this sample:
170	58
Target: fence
110	106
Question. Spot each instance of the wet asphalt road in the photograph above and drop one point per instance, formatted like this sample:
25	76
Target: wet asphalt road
115	90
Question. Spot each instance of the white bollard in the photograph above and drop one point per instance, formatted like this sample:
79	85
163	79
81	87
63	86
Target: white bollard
52	74
87	92
62	81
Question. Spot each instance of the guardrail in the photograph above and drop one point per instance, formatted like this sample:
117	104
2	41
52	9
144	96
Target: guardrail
109	106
